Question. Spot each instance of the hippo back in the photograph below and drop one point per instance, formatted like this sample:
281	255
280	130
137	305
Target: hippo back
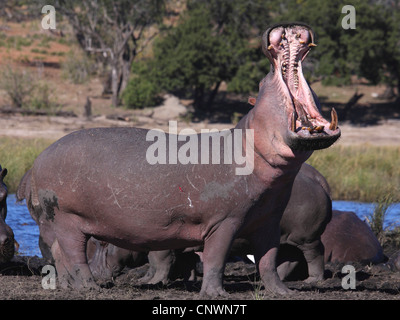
348	239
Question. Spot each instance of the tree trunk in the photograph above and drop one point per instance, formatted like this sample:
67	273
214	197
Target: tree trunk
114	84
198	102
213	94
126	63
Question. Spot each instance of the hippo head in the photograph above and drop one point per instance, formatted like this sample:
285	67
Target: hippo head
6	233
286	105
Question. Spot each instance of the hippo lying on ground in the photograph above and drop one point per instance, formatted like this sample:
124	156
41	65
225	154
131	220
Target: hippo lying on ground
348	239
6	233
101	182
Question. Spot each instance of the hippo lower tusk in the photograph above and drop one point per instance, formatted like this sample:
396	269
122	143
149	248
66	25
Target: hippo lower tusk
334	121
293	122
312	44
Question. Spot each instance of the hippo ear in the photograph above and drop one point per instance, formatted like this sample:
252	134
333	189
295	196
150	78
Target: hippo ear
3	173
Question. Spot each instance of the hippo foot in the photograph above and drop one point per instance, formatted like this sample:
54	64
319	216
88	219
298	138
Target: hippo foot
78	284
153	278
274	285
153	281
314	279
77	280
213	292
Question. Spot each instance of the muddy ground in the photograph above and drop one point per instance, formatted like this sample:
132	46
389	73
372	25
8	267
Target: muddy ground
21	279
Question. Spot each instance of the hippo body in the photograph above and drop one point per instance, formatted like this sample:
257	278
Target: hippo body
348	239
6	234
100	182
304	220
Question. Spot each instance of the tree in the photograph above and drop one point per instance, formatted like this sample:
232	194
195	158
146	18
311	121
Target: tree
117	29
370	51
207	47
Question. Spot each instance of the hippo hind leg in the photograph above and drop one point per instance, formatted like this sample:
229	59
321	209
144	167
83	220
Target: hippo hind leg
314	255
69	253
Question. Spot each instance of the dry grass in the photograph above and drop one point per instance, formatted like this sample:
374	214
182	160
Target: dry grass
362	173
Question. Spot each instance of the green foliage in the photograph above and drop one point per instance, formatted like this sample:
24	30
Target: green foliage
219	41
370	51
208	46
376	220
141	91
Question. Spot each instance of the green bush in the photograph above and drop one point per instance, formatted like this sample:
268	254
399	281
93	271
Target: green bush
140	92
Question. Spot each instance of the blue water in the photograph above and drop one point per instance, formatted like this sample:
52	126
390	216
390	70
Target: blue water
26	231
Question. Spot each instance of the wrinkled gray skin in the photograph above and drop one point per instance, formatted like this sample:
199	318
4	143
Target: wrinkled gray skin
304	220
6	233
308	212
347	238
99	182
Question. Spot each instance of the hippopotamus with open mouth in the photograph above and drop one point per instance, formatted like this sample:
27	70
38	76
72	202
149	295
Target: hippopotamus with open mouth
99	182
6	234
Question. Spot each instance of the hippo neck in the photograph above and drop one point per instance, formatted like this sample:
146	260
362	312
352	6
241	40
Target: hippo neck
270	166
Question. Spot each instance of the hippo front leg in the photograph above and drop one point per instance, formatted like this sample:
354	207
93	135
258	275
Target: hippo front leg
216	248
69	253
266	243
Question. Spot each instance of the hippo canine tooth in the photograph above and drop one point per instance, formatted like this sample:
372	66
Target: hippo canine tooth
312	44
334	122
293	122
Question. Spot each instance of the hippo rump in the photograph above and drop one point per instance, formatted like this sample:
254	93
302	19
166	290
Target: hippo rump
101	182
348	239
6	234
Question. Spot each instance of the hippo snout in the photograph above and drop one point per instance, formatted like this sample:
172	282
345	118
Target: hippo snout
6	245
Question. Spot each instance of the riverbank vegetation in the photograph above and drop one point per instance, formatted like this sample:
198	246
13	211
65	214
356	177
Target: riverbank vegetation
17	155
359	173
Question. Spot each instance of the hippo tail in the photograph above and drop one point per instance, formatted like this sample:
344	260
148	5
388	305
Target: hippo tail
23	191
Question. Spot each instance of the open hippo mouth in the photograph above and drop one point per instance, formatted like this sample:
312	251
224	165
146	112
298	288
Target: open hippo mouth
286	46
